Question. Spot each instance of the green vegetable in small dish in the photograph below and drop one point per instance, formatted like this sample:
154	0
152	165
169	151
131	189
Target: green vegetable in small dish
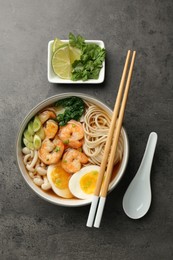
91	59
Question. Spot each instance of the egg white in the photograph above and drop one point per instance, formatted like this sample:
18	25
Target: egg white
65	193
74	183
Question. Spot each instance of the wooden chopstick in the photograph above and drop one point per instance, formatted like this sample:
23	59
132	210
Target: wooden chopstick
112	127
114	147
108	145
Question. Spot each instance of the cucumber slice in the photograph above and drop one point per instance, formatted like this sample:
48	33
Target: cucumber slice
41	133
28	144
37	142
30	128
36	124
28	136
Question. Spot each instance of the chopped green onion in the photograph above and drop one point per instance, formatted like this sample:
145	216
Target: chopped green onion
66	141
28	136
30	128
41	133
36	124
37	142
28	144
57	149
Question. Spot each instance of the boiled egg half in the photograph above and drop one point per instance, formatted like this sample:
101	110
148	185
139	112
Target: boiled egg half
82	184
59	180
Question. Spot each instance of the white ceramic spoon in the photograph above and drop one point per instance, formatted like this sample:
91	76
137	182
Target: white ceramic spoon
137	198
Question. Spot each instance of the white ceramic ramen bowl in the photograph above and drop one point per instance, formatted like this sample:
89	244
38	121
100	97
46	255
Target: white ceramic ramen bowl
48	196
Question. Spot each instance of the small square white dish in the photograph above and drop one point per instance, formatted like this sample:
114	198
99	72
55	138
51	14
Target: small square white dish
53	78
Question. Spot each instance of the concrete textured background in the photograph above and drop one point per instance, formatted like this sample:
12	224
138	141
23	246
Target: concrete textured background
31	228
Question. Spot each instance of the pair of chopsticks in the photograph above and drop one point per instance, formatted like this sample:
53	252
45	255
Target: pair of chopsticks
100	192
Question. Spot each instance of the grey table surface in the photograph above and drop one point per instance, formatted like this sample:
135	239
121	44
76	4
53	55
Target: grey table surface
31	228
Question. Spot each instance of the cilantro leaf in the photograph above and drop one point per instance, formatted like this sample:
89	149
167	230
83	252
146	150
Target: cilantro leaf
91	60
77	42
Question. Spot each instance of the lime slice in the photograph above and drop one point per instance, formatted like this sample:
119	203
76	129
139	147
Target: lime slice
75	54
36	124
61	63
41	133
28	144
37	142
56	44
28	136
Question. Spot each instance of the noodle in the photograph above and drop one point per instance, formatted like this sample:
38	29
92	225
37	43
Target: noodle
96	126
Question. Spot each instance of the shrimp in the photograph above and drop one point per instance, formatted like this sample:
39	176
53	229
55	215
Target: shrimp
45	115
72	134
51	151
51	129
72	160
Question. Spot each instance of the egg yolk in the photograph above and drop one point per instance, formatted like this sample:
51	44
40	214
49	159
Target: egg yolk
60	177
88	182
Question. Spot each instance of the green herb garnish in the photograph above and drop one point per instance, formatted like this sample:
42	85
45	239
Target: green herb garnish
90	63
57	149
58	182
64	161
74	109
66	142
78	41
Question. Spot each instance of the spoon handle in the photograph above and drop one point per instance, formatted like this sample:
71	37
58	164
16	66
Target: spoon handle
145	166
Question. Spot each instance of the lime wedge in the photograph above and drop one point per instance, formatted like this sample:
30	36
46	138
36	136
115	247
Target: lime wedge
56	44
75	54
61	62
